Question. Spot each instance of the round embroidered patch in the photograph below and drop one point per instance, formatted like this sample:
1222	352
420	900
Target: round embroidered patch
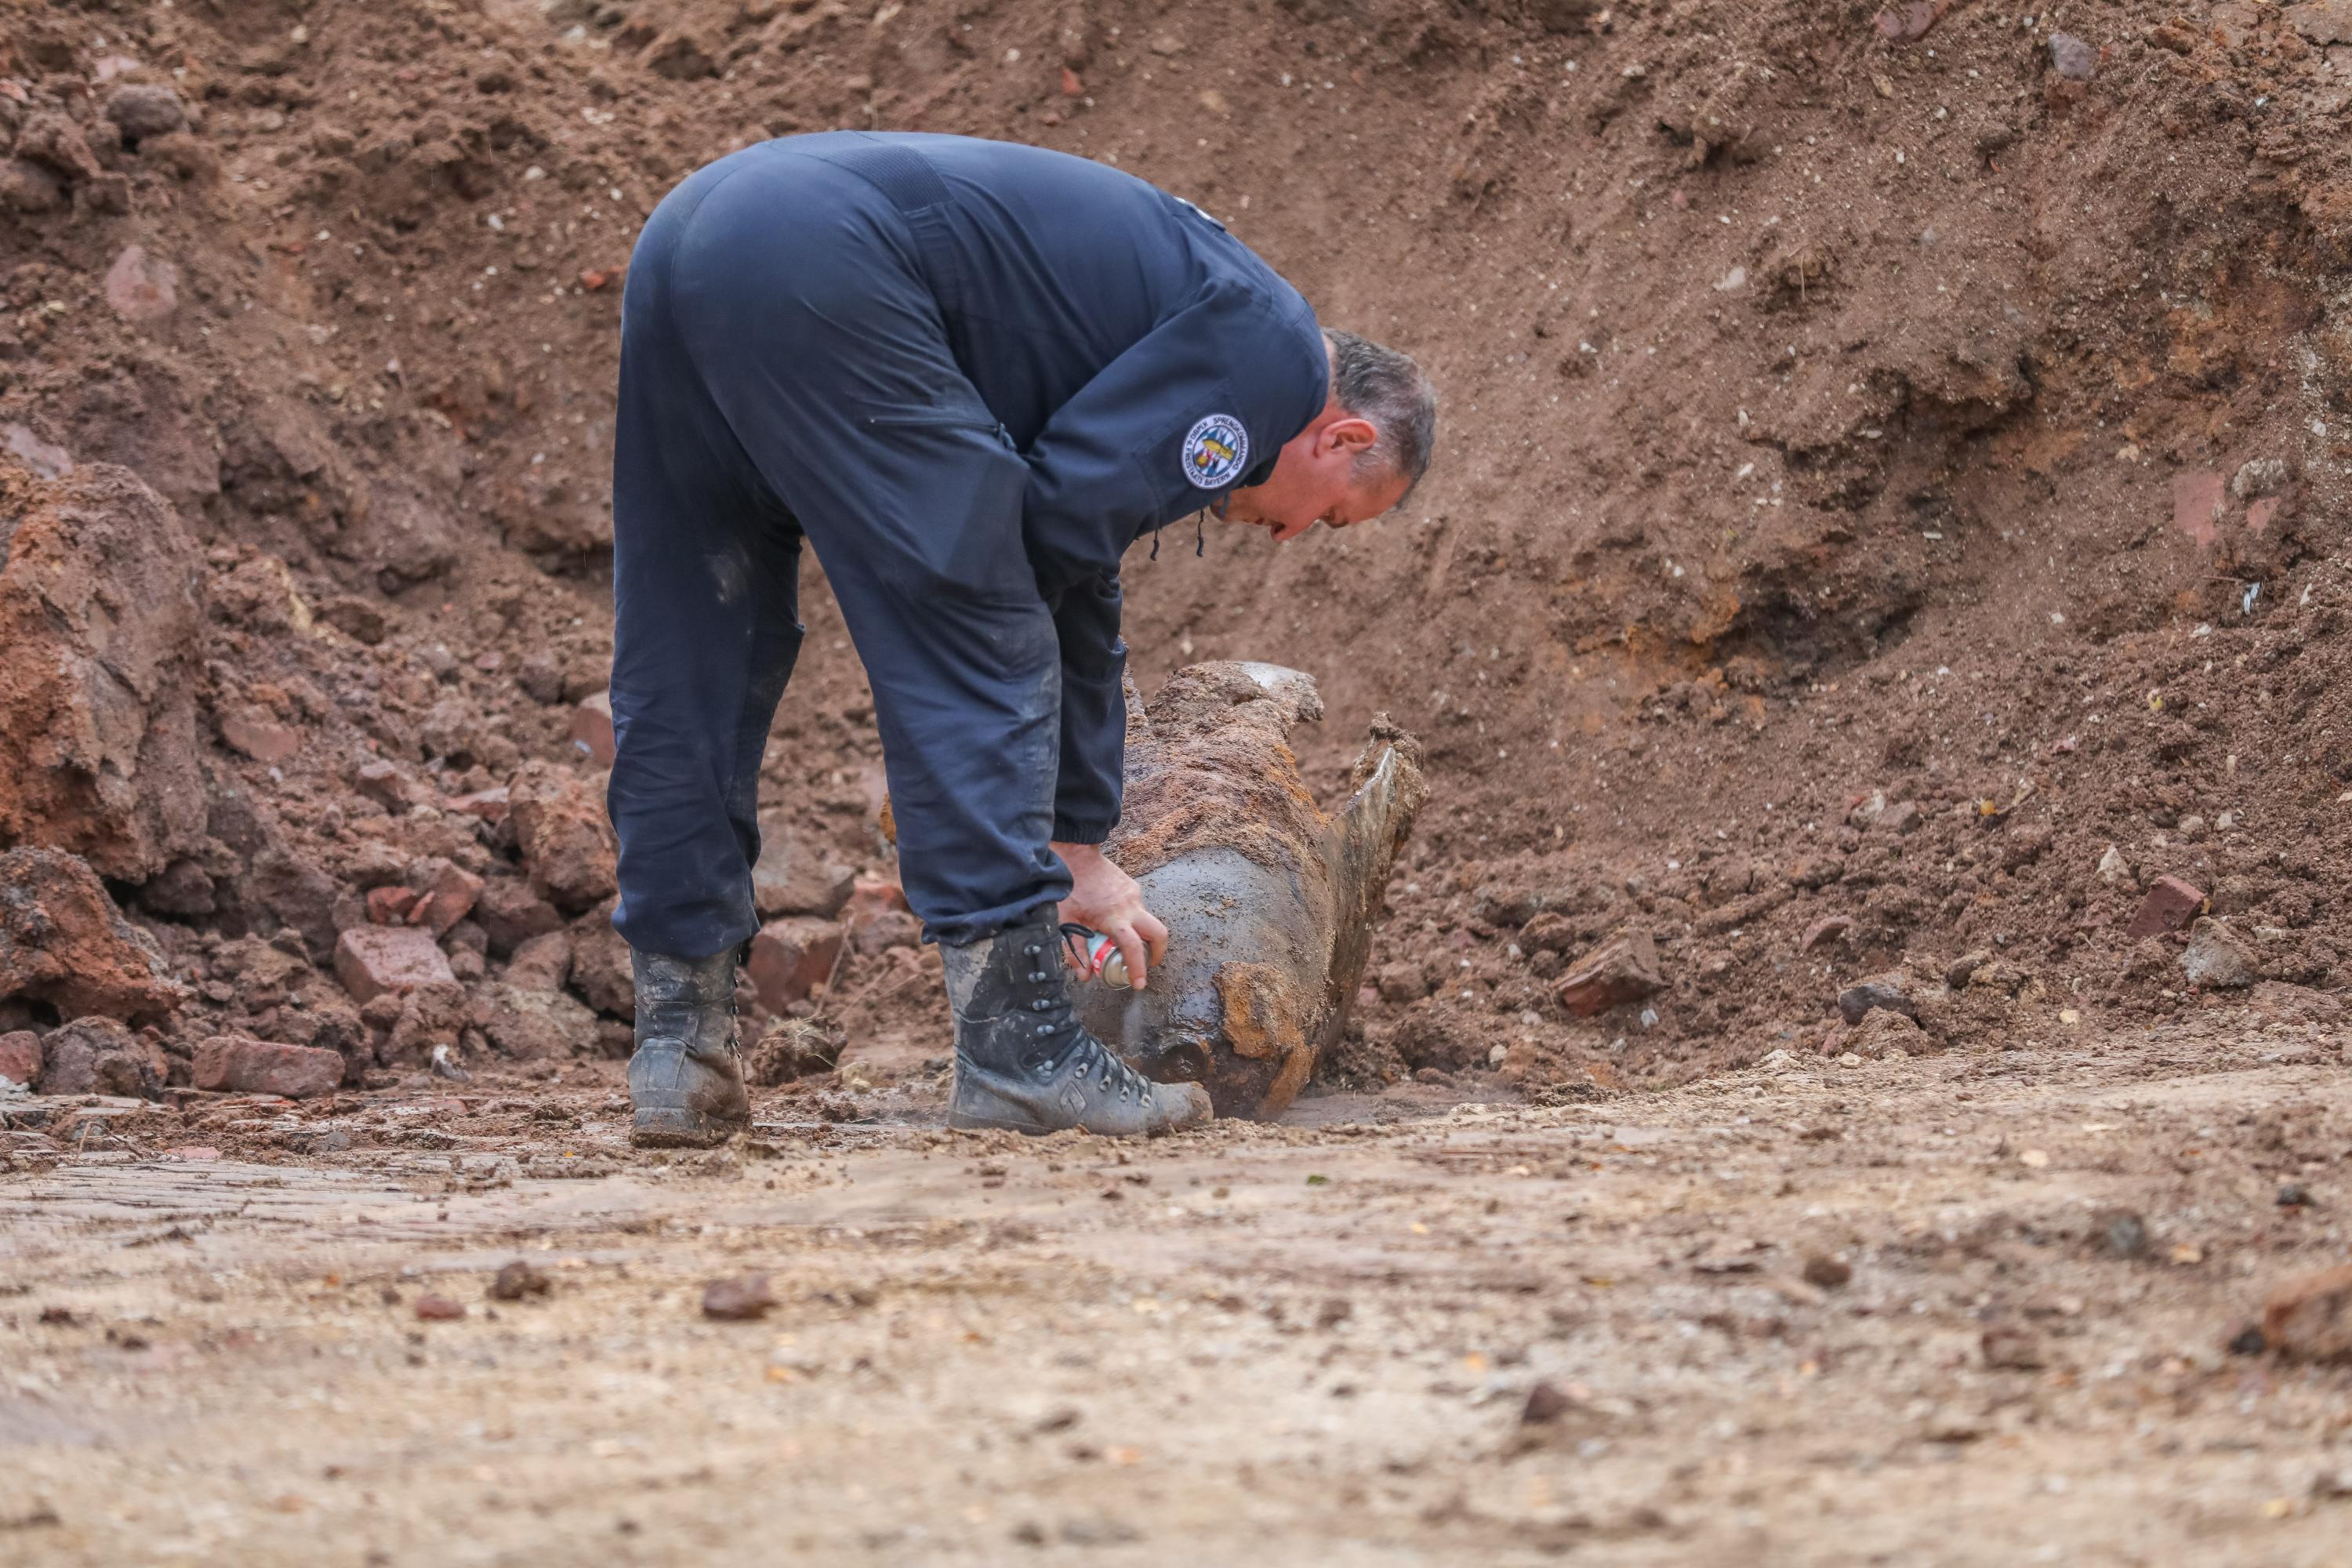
1215	450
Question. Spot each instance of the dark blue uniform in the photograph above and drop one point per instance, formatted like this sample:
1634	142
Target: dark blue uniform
972	373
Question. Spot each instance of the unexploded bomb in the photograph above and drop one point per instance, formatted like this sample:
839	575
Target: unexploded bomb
1269	902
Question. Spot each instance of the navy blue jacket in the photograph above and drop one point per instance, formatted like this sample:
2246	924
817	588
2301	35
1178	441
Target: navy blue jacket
1143	360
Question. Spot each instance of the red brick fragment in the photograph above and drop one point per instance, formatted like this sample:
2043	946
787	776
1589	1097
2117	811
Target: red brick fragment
242	1066
1623	969
375	960
2170	905
790	958
389	906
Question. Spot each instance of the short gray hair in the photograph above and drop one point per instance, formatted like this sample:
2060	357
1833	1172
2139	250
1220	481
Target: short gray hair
1387	389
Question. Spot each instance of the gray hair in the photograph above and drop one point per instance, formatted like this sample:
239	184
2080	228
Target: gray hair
1387	389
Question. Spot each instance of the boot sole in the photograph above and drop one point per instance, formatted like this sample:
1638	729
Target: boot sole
697	1132
960	1122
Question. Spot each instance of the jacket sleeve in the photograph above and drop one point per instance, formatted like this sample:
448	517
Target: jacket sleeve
1198	405
1094	712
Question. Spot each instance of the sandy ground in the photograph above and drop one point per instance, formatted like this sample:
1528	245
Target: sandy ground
1313	1342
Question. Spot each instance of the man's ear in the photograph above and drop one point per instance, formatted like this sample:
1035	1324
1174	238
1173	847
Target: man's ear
1351	435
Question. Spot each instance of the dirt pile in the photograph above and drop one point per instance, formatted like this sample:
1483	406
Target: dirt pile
1890	514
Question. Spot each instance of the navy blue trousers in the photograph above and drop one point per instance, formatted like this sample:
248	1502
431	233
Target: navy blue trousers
786	374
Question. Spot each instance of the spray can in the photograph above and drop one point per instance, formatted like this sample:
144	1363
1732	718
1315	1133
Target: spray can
1103	961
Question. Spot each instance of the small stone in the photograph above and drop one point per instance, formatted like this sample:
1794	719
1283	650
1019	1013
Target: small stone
1890	991
541	679
519	1279
1402	981
389	906
2169	905
564	834
2310	1318
141	109
1623	969
2072	58
542	962
143	287
2114	870
2260	476
489	805
592	727
376	961
1548	1404
438	1310
745	1297
2012	1349
511	912
236	1064
445	894
790	958
2219	959
356	619
1829	928
790	879
2294	1195
1827	1272
884	931
386	783
2322	21
1903	816
20	1057
2120	1233
258	736
1957	973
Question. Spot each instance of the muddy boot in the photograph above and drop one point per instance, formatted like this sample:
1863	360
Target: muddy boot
685	1080
1024	1064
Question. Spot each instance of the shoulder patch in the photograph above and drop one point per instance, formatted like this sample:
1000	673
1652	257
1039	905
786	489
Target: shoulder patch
1216	451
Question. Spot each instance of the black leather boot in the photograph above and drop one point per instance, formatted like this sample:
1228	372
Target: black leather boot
1024	1064
685	1078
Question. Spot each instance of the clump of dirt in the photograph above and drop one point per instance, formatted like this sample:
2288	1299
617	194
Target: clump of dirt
1889	509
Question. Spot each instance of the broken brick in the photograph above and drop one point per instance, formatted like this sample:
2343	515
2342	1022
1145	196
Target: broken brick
373	961
2170	905
389	906
242	1066
445	894
1623	969
790	958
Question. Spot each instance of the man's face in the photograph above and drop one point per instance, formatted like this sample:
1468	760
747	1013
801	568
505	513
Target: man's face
1314	480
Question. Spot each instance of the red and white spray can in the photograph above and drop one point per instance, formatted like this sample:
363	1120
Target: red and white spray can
1100	960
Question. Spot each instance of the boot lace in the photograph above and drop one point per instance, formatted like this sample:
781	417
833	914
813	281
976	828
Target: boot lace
1056	1035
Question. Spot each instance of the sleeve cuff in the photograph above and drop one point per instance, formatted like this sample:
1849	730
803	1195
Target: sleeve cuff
1085	830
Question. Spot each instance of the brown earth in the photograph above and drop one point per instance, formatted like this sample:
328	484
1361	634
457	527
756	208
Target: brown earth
1886	543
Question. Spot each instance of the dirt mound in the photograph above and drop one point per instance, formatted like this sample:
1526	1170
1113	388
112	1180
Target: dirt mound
1888	510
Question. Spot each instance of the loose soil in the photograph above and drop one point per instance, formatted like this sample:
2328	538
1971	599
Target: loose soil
1889	526
1804	1313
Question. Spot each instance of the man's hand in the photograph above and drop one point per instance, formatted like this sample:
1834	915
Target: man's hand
1105	899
